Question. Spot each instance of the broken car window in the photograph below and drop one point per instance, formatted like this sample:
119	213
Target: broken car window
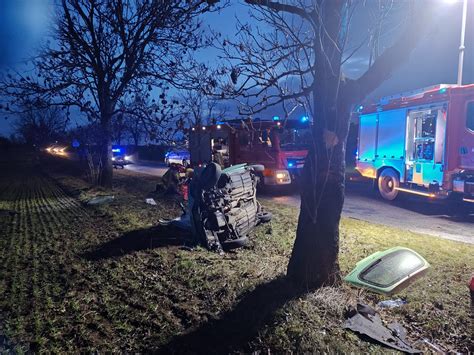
392	268
388	271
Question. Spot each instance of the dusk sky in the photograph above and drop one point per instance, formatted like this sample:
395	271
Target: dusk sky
23	25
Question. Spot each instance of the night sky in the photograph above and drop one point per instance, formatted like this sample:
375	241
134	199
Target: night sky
23	25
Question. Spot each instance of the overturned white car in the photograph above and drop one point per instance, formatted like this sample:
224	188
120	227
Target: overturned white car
223	209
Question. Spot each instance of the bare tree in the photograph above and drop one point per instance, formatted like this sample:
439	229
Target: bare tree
151	119
41	126
119	128
197	108
299	61
104	50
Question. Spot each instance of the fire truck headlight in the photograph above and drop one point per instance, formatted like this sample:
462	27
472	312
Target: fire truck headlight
282	174
113	158
282	177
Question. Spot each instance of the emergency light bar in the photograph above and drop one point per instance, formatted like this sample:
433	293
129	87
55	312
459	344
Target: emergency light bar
412	94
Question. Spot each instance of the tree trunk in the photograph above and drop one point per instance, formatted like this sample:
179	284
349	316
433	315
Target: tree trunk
314	260
106	168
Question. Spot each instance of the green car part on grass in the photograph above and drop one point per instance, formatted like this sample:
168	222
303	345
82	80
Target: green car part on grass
388	271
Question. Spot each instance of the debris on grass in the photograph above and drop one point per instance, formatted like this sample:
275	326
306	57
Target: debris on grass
391	303
150	201
432	346
366	321
100	200
389	271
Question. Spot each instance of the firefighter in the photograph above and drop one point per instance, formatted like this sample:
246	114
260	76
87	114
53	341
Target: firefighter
170	181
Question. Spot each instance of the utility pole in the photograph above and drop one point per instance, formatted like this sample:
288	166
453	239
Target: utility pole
461	46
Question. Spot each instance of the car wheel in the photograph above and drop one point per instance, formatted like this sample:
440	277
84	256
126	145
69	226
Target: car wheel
210	176
388	182
264	217
235	243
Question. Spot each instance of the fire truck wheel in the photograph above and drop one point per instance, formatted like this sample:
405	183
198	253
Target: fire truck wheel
388	182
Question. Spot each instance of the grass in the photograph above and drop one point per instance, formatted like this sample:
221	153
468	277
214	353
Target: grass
105	278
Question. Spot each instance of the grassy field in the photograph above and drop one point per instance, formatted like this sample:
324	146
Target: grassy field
106	278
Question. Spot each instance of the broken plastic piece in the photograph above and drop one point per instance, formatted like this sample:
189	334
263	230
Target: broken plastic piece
366	321
99	200
150	201
392	303
388	271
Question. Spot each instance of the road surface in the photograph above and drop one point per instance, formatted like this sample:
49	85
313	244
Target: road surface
412	213
148	167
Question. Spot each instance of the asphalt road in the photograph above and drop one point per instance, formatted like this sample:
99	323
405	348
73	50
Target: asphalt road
413	213
148	167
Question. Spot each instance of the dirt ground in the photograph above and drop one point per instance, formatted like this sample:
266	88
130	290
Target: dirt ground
82	278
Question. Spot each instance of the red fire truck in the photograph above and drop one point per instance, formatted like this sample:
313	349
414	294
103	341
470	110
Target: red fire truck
277	147
420	142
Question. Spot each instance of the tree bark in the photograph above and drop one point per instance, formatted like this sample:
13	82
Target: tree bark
314	259
105	154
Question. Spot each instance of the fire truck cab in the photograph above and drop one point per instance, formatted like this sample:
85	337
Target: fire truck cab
420	142
274	147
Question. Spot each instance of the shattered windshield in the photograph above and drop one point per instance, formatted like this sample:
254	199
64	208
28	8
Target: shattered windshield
392	268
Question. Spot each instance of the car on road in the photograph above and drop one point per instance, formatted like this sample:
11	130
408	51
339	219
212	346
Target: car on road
178	157
119	158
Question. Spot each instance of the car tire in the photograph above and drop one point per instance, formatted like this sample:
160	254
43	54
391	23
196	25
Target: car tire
264	217
235	243
210	176
388	182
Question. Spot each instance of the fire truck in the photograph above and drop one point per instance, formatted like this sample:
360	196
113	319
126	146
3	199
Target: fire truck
276	148
420	142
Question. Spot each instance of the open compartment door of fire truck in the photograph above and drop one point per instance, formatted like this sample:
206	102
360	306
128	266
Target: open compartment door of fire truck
426	131
367	144
420	142
210	143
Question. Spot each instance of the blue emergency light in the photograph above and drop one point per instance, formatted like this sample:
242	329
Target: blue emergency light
276	118
304	119
116	150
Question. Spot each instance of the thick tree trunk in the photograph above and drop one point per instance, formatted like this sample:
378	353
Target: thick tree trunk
314	260
105	146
